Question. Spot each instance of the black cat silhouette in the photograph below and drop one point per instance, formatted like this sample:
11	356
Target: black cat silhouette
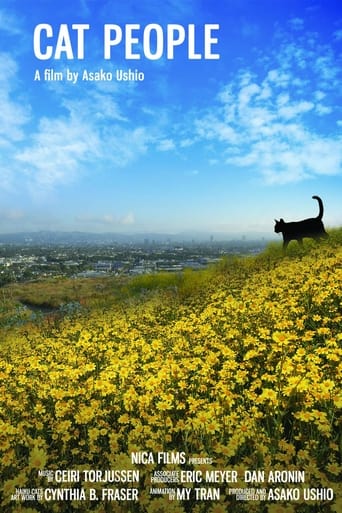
312	227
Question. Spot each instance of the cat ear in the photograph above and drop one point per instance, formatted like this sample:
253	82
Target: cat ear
282	220
276	221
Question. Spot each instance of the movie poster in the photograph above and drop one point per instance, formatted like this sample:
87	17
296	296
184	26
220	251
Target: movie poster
170	256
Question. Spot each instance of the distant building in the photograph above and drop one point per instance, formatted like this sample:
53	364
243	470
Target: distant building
104	267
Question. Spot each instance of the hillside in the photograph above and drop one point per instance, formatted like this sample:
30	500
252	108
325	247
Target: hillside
240	364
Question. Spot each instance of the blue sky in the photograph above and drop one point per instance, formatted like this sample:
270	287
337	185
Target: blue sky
217	145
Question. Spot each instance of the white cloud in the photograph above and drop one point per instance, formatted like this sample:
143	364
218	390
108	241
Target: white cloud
295	109
166	145
93	130
106	220
97	106
58	149
338	35
78	132
296	23
323	109
215	129
268	123
278	78
326	68
13	115
12	215
187	142
192	172
247	92
9	23
128	219
264	121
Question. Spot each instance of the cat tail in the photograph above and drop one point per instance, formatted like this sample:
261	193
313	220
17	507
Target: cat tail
320	203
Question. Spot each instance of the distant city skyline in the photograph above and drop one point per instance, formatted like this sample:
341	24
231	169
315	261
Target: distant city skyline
75	238
222	144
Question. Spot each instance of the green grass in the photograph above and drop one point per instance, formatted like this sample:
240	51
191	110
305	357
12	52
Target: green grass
103	293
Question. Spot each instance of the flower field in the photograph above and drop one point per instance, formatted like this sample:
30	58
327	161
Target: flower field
245	371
